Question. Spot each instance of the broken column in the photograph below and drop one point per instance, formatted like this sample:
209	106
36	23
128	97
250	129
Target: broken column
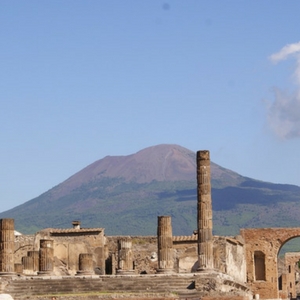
46	257
34	255
85	264
7	246
31	263
125	257
165	245
27	263
204	212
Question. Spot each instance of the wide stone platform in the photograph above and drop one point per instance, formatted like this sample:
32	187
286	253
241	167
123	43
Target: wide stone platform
158	286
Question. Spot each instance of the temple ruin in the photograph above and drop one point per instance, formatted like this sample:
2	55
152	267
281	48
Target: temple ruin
87	264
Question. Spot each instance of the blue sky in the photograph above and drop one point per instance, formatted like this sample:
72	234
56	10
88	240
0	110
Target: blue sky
80	80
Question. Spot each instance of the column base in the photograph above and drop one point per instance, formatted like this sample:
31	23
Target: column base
8	274
165	271
125	272
79	273
44	273
206	270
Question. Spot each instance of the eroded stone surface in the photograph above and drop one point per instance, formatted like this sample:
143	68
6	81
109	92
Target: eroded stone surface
262	246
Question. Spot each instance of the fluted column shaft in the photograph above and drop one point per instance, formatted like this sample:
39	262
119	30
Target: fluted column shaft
46	257
7	246
125	256
204	210
165	244
27	263
35	258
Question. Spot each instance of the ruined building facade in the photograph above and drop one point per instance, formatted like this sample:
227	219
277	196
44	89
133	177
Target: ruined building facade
245	265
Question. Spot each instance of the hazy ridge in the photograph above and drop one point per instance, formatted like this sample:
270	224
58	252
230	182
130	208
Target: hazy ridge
125	194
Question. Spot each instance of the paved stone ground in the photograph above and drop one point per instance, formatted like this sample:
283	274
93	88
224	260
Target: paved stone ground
107	297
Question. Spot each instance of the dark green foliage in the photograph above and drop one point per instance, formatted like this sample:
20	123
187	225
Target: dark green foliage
131	208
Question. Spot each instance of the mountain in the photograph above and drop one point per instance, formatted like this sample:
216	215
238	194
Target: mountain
125	194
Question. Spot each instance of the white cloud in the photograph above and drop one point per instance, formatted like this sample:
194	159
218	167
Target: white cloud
285	52
283	113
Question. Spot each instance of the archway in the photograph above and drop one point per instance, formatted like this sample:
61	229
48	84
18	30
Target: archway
262	246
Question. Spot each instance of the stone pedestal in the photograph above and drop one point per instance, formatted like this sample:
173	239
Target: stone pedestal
46	257
125	257
165	245
204	210
7	247
85	264
19	268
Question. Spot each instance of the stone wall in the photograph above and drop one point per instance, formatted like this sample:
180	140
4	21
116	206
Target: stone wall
235	259
289	279
228	255
186	258
262	246
228	252
23	244
67	245
144	250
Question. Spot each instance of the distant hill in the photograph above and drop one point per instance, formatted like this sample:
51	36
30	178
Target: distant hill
125	194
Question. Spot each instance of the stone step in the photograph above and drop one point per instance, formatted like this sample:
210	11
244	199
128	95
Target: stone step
37	286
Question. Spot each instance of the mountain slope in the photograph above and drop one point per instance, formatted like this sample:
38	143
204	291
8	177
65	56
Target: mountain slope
125	194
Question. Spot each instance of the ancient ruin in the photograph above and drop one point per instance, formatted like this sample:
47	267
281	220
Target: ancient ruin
87	264
204	212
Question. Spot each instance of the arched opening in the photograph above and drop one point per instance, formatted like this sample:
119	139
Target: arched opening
259	265
288	262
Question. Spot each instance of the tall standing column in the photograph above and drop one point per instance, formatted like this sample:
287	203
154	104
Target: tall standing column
165	245
204	210
7	246
125	257
46	257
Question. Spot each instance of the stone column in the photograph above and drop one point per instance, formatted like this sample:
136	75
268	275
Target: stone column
7	247
46	257
27	263
35	257
113	263
165	245
85	264
125	257
204	212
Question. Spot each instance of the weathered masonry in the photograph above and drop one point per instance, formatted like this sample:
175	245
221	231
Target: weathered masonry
262	246
198	265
